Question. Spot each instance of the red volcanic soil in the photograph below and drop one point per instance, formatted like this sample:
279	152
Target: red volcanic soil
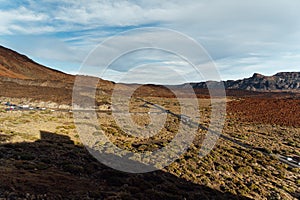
285	112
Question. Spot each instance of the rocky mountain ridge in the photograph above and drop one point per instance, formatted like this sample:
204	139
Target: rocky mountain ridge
283	81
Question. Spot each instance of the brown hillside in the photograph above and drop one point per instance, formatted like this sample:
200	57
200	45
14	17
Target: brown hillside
15	65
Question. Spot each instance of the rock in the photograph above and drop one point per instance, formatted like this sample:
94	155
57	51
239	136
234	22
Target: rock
288	81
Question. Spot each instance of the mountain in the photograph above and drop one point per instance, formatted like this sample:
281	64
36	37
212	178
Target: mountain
22	77
21	70
16	66
283	81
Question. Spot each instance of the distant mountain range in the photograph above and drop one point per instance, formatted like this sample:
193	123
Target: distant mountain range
283	81
19	69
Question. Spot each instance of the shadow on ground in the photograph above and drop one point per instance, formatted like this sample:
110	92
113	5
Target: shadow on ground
54	168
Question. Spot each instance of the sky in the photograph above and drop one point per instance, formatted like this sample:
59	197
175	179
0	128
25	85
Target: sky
240	37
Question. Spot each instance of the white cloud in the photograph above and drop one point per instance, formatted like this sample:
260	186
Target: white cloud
236	68
20	20
149	74
233	31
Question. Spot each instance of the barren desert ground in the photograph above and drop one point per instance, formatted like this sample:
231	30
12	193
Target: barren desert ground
42	155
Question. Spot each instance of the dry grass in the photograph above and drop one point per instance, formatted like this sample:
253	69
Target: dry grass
228	168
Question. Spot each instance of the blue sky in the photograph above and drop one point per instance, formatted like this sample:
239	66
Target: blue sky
241	37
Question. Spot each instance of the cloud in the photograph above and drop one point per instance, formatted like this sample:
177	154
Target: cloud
151	47
80	15
267	64
11	21
242	37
